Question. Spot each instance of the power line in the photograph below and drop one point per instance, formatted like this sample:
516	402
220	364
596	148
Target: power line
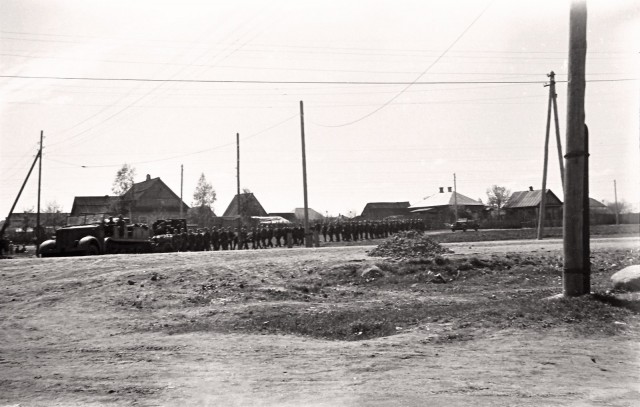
185	154
284	82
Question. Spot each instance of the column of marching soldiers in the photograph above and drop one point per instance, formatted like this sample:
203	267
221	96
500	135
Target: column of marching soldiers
275	235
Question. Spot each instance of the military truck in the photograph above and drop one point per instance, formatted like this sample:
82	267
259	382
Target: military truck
115	235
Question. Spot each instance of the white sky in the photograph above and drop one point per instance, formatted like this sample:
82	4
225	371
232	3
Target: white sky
485	133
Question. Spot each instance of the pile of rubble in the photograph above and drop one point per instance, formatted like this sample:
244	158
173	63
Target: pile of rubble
409	244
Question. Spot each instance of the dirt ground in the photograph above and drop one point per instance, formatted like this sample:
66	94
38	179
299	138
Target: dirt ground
301	327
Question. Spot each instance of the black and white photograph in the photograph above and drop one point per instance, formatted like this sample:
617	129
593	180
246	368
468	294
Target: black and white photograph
319	203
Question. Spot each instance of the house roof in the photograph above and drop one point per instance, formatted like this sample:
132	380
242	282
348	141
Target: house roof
313	214
250	206
387	205
530	199
594	203
139	189
446	199
93	204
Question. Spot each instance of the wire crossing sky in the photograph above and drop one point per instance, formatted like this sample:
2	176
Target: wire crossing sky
398	96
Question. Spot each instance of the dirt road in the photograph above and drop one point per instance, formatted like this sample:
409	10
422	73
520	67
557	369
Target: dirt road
110	330
532	246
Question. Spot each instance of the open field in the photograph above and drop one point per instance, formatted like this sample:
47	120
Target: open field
304	327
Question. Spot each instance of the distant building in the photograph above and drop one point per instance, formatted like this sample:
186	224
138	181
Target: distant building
90	205
297	215
382	210
144	202
150	200
244	205
441	207
524	207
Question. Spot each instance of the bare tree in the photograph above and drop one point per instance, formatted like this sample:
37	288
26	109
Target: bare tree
53	215
124	179
621	207
203	198
497	197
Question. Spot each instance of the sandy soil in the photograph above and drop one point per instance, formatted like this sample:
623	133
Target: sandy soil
104	331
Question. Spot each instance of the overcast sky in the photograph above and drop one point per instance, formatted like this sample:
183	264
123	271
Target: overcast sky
386	140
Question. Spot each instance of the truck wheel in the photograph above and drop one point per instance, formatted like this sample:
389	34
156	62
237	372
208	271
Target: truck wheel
93	250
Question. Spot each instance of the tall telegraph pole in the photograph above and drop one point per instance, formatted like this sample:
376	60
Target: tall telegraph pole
615	195
576	269
307	237
38	231
181	183
455	198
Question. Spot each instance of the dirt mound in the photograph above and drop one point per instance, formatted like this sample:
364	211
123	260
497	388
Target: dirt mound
409	244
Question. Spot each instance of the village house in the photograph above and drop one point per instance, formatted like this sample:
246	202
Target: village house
440	209
383	210
144	202
524	207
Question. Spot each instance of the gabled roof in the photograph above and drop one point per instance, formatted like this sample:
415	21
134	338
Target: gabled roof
313	214
250	206
386	205
93	204
531	199
139	190
446	199
594	203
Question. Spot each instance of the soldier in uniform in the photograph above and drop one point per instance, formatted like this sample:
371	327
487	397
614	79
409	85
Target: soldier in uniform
324	231
270	236
244	244
255	242
224	239
277	234
263	236
207	239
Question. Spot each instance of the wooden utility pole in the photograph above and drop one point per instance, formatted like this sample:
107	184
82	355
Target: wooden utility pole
8	218
615	196
554	96
181	184
543	192
38	231
238	164
574	195
240	203
307	237
455	198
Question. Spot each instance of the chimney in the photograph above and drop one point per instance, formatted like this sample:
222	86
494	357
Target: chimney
449	189
530	188
148	177
441	190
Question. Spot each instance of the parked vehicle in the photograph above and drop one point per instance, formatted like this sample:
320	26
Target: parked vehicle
107	237
464	224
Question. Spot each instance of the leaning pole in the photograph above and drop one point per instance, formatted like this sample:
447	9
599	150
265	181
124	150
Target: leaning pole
576	243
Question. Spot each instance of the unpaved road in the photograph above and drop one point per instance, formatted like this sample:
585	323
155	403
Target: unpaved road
79	332
532	246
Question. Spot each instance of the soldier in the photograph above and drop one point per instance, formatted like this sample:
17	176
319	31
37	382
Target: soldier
184	239
243	239
338	231
215	238
346	232
191	238
277	234
255	240
330	231
233	239
324	231
224	239
207	239
263	236
270	236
